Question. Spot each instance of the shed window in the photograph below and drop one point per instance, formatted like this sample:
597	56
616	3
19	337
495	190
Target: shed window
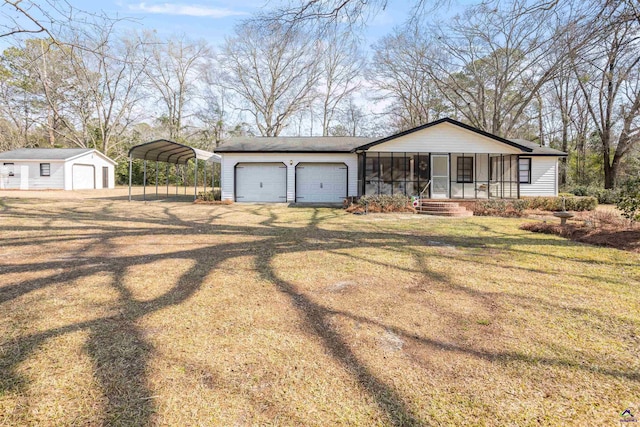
465	169
524	168
9	168
45	169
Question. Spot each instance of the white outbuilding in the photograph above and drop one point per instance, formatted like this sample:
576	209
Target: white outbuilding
56	169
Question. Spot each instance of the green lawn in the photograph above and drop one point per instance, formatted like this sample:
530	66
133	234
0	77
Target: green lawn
178	314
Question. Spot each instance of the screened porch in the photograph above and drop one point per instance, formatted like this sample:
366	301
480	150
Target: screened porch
442	175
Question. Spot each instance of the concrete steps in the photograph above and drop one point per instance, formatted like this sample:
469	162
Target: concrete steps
451	209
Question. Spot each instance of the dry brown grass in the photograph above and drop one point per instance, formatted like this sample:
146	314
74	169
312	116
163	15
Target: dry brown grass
182	314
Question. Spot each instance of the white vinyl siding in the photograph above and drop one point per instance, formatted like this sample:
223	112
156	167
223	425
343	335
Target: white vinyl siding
33	181
444	138
544	177
229	160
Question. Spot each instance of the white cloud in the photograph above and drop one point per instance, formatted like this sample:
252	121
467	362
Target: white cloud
185	9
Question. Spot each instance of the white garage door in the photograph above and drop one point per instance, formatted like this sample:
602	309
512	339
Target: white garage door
321	182
261	182
83	177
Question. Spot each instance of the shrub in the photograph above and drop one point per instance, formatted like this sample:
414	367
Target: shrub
629	202
603	195
385	203
500	207
209	196
555	203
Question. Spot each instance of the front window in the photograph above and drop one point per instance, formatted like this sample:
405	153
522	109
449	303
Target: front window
524	168
465	170
45	169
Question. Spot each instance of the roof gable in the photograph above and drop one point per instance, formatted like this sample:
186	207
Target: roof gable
509	145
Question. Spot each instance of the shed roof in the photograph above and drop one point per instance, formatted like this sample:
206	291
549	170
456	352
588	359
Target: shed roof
286	144
163	150
43	153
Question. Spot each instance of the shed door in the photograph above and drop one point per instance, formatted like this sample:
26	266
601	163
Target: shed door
83	177
321	182
261	182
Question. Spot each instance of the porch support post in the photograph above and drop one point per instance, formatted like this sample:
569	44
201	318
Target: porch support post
156	180
518	175
144	182
130	168
195	181
488	176
475	175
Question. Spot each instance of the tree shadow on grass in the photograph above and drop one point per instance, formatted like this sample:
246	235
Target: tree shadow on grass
117	346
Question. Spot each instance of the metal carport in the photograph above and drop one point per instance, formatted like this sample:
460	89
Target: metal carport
170	152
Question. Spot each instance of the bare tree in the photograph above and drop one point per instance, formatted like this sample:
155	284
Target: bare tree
496	59
274	70
110	73
326	13
173	71
341	65
397	71
608	74
351	121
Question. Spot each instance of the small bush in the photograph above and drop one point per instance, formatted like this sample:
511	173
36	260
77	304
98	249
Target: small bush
629	202
603	195
383	203
209	196
555	203
500	207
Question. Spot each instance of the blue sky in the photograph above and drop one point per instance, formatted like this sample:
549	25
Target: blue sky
212	20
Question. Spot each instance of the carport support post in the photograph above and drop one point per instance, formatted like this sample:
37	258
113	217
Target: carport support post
175	169
167	176
195	180
205	176
144	182
156	180
130	178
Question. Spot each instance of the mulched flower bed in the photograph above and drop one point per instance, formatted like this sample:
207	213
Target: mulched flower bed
619	237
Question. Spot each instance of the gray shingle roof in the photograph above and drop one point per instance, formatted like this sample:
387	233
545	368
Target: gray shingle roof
43	153
283	144
537	149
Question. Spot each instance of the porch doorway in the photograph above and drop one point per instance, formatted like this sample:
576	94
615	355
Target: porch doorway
439	176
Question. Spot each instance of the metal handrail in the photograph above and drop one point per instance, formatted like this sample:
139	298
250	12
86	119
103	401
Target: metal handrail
425	188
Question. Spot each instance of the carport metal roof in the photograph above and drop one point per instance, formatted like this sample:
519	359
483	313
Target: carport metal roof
163	150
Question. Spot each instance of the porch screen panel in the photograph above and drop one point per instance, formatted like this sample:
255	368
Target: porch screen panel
424	175
372	174
506	176
411	167
495	183
386	177
482	176
455	187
